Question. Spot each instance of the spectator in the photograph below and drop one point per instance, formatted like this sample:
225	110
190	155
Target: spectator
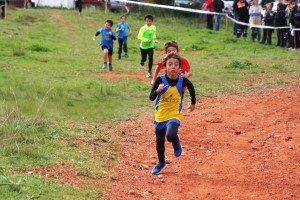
255	13
209	17
235	16
219	6
264	35
2	5
78	6
295	23
242	9
280	21
269	21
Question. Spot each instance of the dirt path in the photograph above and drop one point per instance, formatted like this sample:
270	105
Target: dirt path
240	146
235	147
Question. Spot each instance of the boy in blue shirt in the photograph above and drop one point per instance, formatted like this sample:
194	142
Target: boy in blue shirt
107	42
122	28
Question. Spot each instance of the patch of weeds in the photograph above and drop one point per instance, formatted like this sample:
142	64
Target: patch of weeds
276	66
230	40
26	19
18	52
38	48
240	65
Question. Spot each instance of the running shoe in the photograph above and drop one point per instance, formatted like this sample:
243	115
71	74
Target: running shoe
177	149
157	169
149	75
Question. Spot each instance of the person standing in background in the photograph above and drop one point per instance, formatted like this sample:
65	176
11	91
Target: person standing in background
242	8
3	8
209	17
269	21
255	13
295	24
280	21
78	6
219	6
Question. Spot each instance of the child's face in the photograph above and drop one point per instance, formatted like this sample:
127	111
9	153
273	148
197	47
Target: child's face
107	25
123	19
148	22
171	49
172	66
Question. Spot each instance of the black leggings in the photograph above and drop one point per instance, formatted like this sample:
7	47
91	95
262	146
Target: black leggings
122	43
171	132
150	53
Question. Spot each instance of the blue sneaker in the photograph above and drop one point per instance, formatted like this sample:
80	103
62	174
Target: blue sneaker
110	67
104	65
160	166
177	149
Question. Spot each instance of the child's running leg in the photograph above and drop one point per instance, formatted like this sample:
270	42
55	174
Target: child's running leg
125	46
143	56
160	144
160	148
150	63
172	136
120	41
105	57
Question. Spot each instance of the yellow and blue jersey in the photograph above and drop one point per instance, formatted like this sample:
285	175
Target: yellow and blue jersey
169	102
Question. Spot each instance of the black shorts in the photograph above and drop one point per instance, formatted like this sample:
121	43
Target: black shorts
110	51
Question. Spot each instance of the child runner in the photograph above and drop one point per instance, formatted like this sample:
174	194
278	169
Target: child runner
107	42
122	28
167	90
147	35
185	70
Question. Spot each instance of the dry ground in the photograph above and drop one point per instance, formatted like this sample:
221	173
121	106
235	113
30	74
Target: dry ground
235	146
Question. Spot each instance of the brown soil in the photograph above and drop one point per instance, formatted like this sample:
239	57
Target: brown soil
235	146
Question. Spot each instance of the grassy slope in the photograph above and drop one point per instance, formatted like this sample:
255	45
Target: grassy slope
47	56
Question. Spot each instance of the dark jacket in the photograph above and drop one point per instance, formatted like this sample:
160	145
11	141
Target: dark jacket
280	19
269	18
218	5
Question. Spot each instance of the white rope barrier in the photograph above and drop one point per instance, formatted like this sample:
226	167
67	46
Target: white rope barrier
205	12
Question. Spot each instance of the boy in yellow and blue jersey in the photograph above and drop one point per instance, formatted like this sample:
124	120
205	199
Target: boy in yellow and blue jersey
147	35
168	92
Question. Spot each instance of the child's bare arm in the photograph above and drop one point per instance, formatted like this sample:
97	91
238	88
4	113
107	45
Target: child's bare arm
156	72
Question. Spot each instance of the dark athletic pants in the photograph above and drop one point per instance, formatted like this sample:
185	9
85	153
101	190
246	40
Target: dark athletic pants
150	53
122	44
171	133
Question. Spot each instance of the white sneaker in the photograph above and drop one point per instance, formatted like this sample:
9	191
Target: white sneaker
149	75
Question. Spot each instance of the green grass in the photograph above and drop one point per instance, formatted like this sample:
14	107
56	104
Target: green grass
48	84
